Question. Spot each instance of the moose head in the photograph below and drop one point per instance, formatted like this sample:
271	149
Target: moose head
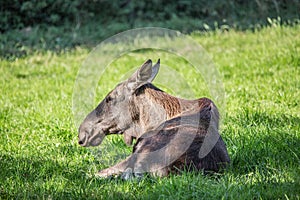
118	112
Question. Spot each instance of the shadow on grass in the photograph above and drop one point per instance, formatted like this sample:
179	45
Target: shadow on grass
31	178
264	143
266	146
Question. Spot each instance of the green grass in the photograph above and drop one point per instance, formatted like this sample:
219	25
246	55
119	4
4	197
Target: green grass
40	157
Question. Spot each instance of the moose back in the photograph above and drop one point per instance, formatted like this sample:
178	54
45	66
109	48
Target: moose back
172	134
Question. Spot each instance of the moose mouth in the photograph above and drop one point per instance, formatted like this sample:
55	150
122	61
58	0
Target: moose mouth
94	140
95	136
111	132
83	141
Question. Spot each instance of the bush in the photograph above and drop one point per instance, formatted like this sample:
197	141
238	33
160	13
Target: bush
18	14
30	25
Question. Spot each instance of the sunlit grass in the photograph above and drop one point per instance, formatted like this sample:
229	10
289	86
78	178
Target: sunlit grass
40	158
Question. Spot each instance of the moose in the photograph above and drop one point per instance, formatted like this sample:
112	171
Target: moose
171	134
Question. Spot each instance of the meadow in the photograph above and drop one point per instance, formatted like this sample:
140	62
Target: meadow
39	153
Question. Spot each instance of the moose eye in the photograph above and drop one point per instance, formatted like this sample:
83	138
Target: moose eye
108	99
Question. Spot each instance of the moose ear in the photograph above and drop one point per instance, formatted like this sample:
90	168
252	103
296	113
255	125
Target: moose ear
146	73
155	70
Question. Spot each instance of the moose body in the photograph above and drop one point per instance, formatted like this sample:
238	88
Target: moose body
171	134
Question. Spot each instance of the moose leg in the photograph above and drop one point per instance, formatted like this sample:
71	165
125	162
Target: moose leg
122	167
160	172
154	153
135	163
116	169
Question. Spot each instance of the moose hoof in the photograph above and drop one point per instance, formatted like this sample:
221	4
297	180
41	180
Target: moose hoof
127	174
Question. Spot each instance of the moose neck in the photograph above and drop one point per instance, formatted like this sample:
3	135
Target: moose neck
153	106
150	106
159	101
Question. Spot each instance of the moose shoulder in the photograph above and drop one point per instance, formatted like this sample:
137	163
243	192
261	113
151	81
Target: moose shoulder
171	133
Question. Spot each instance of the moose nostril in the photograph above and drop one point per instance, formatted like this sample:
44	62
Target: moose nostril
80	142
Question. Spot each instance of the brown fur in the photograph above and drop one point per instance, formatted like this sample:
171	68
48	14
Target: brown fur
169	103
171	133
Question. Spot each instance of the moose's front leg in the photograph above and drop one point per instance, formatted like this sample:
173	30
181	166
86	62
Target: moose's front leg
135	165
105	173
117	169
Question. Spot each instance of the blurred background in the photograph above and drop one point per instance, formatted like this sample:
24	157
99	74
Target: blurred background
30	25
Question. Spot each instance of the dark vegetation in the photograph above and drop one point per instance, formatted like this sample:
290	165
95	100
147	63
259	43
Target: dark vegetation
28	25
